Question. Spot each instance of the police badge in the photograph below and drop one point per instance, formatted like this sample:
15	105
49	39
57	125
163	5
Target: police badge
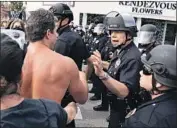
117	63
97	41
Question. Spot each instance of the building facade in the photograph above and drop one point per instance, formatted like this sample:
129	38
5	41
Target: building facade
160	13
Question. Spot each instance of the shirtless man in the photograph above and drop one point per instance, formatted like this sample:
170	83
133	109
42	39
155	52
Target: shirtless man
47	74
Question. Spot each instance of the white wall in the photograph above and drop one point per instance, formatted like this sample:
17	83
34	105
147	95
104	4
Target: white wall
80	7
104	8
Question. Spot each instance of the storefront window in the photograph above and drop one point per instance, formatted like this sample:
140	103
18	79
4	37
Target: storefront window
171	33
95	18
80	18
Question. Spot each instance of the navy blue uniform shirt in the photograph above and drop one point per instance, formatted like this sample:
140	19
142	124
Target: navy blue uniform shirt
70	43
161	112
126	65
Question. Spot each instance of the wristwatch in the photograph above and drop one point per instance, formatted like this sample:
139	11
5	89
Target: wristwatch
104	77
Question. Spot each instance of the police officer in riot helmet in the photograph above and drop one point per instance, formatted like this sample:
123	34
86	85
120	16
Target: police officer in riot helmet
69	42
159	78
122	77
101	37
91	27
147	37
90	35
80	31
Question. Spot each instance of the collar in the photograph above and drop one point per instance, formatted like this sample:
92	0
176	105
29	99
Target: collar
64	29
127	46
122	48
159	99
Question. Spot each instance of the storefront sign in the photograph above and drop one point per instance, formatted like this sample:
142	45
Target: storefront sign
165	10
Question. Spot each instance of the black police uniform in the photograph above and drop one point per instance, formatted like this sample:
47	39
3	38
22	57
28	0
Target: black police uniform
70	44
161	112
124	67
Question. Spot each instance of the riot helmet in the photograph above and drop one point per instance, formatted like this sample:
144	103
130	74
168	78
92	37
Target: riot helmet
79	28
122	22
110	15
99	29
161	62
61	11
147	34
91	27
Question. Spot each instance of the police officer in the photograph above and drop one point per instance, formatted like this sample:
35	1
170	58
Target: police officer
122	78
158	77
90	36
146	42
147	38
101	37
69	42
80	31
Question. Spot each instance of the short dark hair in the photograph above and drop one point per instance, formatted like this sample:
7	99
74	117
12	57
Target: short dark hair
38	23
11	62
11	59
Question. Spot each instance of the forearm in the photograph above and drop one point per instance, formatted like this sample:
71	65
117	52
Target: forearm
88	70
116	87
84	87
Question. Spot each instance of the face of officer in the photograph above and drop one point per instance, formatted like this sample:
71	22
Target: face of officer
61	22
119	38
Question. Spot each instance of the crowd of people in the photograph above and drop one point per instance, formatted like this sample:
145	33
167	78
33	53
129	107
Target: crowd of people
42	79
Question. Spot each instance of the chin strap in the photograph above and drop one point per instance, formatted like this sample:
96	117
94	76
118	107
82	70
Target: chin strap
60	28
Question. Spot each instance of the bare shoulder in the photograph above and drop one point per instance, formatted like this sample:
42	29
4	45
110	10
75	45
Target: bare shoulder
65	62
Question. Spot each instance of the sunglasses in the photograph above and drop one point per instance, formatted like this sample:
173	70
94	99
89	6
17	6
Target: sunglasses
146	70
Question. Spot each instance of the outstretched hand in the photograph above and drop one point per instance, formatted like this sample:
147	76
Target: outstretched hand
97	62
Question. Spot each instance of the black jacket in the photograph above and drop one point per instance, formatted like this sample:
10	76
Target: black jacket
161	112
69	43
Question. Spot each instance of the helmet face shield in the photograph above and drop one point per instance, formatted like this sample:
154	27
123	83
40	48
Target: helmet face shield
145	37
98	30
